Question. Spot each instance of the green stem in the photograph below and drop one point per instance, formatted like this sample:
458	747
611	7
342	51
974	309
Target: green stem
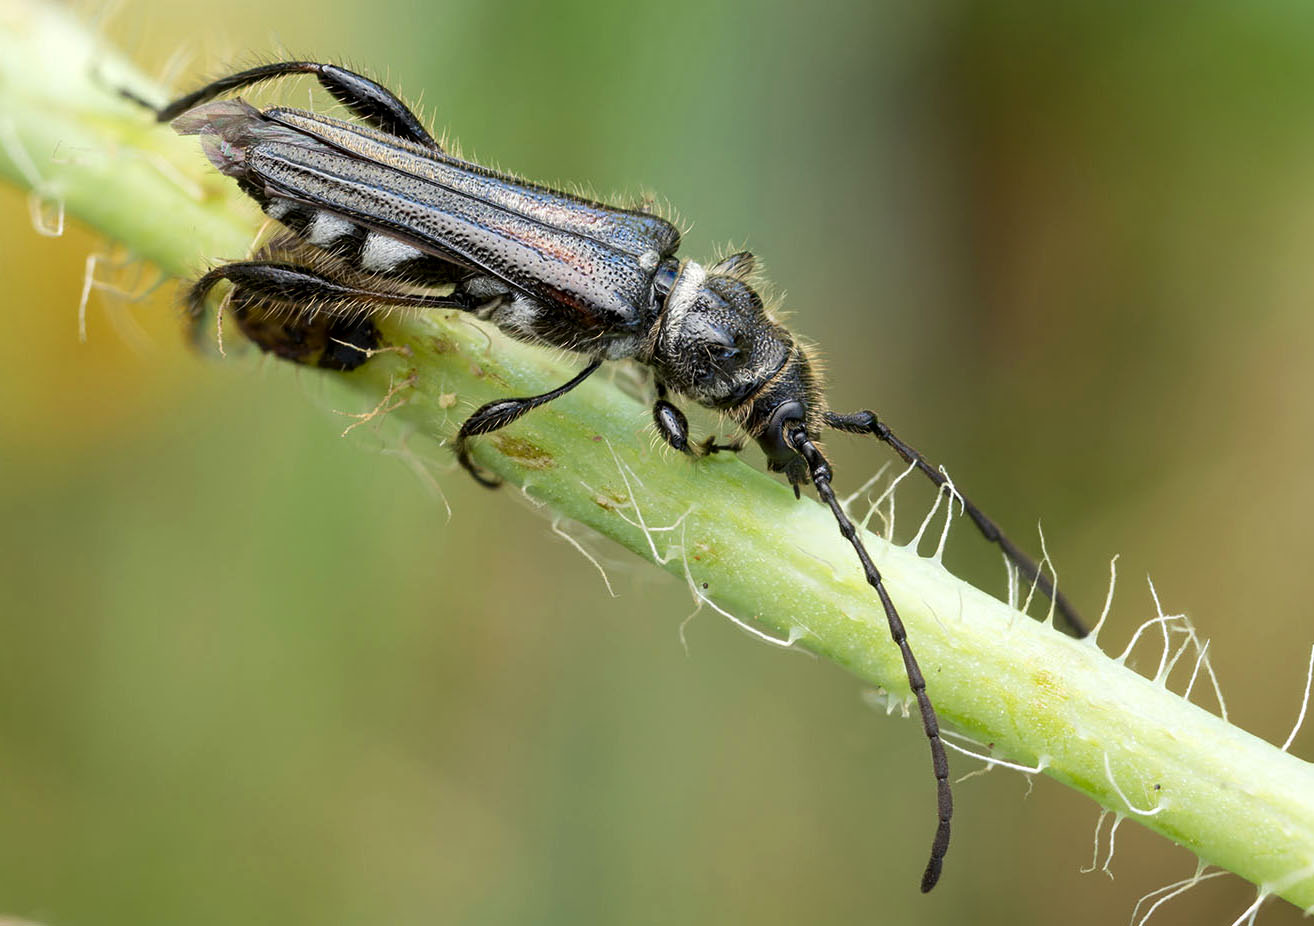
737	535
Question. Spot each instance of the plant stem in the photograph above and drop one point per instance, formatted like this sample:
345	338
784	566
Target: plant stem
735	534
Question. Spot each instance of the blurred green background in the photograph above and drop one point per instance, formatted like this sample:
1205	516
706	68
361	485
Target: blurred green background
250	672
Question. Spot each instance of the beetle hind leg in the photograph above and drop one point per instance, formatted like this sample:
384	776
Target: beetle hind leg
303	316
495	415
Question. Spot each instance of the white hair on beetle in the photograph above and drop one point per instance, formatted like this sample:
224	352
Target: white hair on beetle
681	297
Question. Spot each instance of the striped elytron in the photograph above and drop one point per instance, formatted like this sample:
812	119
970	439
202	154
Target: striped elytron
376	214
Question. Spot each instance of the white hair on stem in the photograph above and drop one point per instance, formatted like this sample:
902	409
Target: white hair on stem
1248	915
1053	571
88	281
1170	656
1202	658
415	463
952	492
1095	849
848	500
1152	622
1108	771
1286	881
796	631
864	523
386	405
638	521
1176	889
42	192
1113	837
1163	627
560	532
926	521
1191	640
1304	703
1195	673
887	701
888	494
1012	580
991	761
1040	569
1093	636
125	325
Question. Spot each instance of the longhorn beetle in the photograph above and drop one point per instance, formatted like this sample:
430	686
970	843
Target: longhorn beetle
377	214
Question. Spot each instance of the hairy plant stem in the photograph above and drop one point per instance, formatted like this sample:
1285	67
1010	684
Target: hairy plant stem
735	534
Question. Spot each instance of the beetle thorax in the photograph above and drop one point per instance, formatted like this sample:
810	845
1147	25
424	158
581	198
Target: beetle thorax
713	340
682	297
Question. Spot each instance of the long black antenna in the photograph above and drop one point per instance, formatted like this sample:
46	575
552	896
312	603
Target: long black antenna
819	470
866	423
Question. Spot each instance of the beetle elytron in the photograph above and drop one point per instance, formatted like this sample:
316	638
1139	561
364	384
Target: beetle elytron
378	215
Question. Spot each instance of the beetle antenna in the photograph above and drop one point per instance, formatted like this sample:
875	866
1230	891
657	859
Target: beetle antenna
820	472
866	423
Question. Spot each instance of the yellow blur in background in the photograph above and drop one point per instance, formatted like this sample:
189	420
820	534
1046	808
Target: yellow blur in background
250	672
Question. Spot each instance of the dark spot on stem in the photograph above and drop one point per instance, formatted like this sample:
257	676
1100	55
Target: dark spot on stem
523	452
441	344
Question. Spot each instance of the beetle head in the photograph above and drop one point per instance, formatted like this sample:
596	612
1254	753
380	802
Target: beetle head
716	343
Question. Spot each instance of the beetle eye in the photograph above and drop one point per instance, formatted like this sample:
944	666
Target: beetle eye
721	345
721	362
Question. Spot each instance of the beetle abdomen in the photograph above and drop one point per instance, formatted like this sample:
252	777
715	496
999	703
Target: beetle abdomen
360	248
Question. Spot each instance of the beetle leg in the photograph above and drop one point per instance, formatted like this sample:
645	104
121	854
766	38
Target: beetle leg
372	102
671	425
709	445
306	290
674	429
319	321
495	415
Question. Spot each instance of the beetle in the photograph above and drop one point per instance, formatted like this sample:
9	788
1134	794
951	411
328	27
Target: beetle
377	214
